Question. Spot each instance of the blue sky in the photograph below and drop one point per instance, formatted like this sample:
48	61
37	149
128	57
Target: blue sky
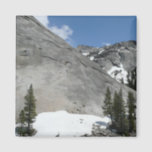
92	30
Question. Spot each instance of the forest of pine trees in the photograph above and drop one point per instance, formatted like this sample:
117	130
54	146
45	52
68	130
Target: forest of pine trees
27	115
123	115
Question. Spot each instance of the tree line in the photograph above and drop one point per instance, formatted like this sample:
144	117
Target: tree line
123	115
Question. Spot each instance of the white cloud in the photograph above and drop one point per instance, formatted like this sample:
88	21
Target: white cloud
106	44
43	19
64	31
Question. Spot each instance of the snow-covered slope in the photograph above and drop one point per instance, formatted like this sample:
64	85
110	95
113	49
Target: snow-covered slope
62	123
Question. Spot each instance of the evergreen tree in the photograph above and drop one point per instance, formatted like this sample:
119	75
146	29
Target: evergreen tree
132	79
107	107
22	118
22	122
131	112
115	107
30	110
119	121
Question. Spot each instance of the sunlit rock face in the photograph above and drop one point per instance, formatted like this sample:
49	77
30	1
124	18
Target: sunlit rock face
62	78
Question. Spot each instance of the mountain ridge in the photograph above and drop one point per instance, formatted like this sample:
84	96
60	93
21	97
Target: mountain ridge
117	58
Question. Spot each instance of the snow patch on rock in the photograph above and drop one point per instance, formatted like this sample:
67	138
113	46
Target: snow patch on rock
119	73
101	51
91	58
85	53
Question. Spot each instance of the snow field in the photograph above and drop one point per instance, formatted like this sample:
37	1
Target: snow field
62	123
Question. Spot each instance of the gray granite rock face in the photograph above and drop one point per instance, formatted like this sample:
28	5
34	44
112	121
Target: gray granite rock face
62	78
116	55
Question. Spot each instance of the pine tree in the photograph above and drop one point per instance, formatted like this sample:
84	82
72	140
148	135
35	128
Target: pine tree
107	107
22	118
22	122
123	118
115	111
119	121
30	110
132	79
131	112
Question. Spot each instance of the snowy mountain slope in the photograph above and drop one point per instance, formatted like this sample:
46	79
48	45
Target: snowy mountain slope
117	60
62	123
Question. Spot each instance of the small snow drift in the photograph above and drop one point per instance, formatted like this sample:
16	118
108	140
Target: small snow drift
85	53
91	58
62	123
118	73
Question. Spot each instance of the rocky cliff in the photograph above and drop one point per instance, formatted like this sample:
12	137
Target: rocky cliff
117	60
62	78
